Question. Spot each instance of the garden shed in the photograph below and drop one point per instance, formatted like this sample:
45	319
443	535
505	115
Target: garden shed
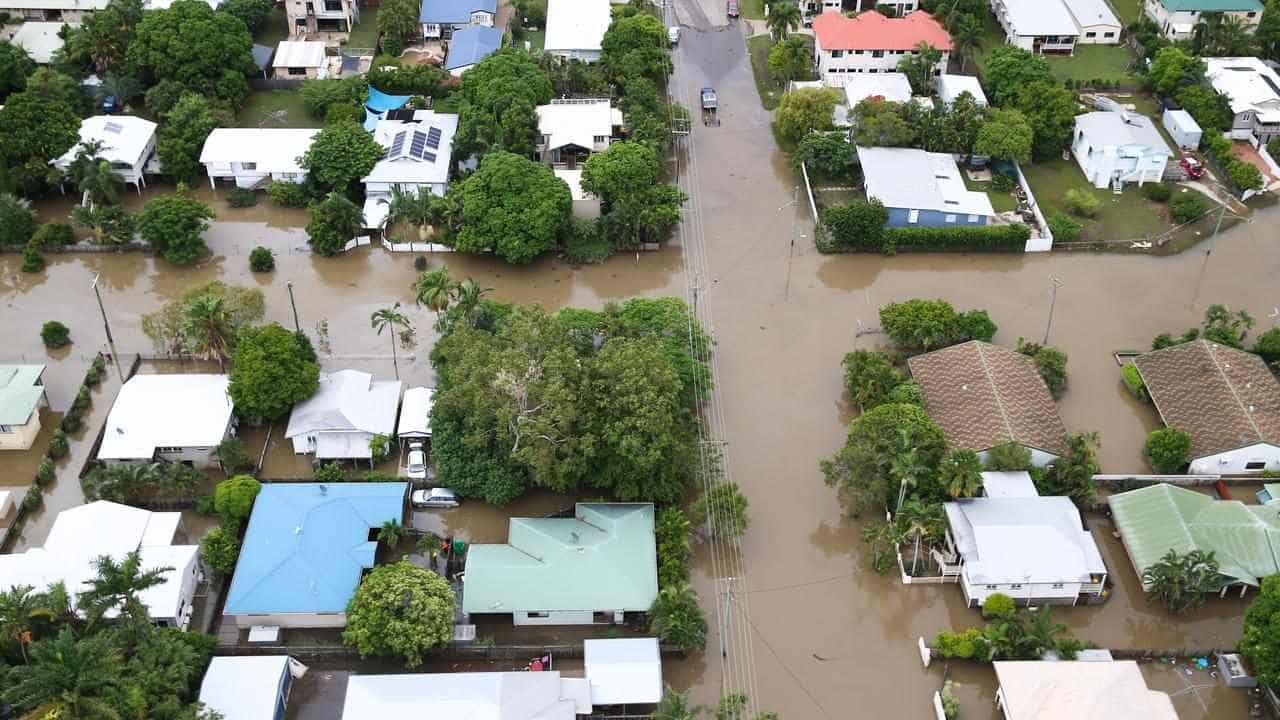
1183	128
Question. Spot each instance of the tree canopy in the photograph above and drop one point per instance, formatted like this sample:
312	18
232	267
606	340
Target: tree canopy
637	207
180	140
271	369
170	327
191	43
341	154
1009	68
513	207
332	223
1050	110
803	111
233	498
400	610
919	66
398	24
173	226
1260	644
920	325
35	129
498	101
1005	135
15	66
889	447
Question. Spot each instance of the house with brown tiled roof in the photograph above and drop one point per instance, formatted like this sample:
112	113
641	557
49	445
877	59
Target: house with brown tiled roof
983	395
1227	400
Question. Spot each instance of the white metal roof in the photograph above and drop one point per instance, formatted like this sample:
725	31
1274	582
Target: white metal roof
1105	128
1092	13
153	411
69	5
244	688
466	696
275	150
623	671
411	158
298	53
892	86
1023	540
1039	17
915	179
347	400
415	412
950	87
1015	483
1248	83
1060	690
124	138
577	122
1181	121
40	39
7	502
164	4
576	24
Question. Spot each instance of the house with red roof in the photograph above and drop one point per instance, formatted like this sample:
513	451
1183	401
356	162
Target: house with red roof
873	43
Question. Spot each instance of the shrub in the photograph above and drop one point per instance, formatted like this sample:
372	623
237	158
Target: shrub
908	393
420	263
219	550
950	704
584	243
964	644
1187	206
726	507
1064	229
44	472
58	444
671	532
379	447
83	400
233	498
261	260
858	225
32	260
55	334
677	619
1244	175
1268	344
71	423
53	235
1081	203
33	500
330	472
1133	381
1273	148
242	197
1008	456
1168	450
287	194
1157	192
970	238
1052	364
1002	183
343	113
998	605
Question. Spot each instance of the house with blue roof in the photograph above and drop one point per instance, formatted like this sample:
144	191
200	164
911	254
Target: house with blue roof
441	18
307	546
469	46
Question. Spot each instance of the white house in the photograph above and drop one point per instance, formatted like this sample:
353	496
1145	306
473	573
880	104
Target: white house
442	18
299	59
575	28
873	43
950	87
40	39
21	397
321	19
418	154
69	11
1096	22
1118	147
415	414
546	695
1182	128
623	671
169	418
82	534
890	86
1177	19
811	9
1253	89
1227	400
253	157
1067	690
570	130
1014	542
127	142
345	413
250	688
1039	26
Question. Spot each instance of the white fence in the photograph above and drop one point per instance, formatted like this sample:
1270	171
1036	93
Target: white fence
415	247
357	242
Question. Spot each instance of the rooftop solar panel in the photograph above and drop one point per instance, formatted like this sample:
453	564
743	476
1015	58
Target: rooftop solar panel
397	144
433	138
418	145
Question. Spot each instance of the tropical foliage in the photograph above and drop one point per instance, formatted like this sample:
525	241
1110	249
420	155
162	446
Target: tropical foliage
400	610
1179	581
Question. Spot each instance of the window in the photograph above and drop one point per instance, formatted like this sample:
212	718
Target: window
993	587
1091	34
538	615
1108	34
873	70
1251	14
5	429
249	166
1255	465
913	216
973	218
601	139
1015	587
333	5
877	53
857	52
837	53
951	218
297	71
1056	586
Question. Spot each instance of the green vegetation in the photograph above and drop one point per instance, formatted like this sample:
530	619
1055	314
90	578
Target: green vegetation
132	483
671	534
365	32
726	507
173	226
870	377
1052	364
275	109
920	325
261	260
271	369
677	618
1260	644
401	611
1118	217
1010	634
205	320
1168	450
1089	64
1133	381
54	334
220	549
1180	582
233	498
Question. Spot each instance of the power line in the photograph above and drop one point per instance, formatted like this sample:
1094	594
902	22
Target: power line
785	667
809	583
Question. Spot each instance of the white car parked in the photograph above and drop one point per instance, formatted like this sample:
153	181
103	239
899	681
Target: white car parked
434	498
416	463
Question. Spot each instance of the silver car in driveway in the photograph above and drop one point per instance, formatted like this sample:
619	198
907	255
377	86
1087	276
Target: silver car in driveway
416	462
434	498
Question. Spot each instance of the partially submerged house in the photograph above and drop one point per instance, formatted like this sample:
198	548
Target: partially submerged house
595	567
1113	148
546	695
1015	542
1226	400
347	410
81	535
168	418
1177	19
127	142
1071	690
1252	89
250	688
1155	519
253	157
921	188
469	46
305	550
40	39
571	130
575	28
623	671
444	18
68	11
22	394
950	87
419	150
983	395
873	43
1038	26
299	59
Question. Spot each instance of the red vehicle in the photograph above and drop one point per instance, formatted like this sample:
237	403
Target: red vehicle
1191	167
731	8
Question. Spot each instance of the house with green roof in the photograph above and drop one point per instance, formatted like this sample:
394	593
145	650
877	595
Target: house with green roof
594	567
21	397
1177	19
1245	539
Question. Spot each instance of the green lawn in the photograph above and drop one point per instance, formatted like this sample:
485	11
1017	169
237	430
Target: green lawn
365	33
1125	216
770	89
753	9
259	109
1000	201
536	39
1095	62
1128	10
275	29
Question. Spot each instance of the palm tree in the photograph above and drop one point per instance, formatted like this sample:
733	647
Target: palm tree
676	706
119	586
961	473
1041	635
906	467
391	533
434	289
468	295
966	37
69	678
416	208
1221	35
1181	581
19	606
783	18
121	87
390	318
93	176
121	483
207	327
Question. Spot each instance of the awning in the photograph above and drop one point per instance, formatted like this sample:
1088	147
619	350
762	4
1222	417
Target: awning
343	446
624	671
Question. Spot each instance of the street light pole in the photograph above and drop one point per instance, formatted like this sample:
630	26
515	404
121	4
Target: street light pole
1053	301
296	325
98	293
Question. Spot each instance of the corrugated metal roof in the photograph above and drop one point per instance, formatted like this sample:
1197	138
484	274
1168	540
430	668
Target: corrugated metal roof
454	12
472	44
19	393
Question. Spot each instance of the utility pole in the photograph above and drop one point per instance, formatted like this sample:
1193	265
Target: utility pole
98	293
1053	301
296	325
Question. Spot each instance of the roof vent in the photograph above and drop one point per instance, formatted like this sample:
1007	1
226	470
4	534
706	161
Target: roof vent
119	430
324	489
297	529
573	535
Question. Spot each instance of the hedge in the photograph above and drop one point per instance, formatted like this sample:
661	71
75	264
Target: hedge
853	228
1133	381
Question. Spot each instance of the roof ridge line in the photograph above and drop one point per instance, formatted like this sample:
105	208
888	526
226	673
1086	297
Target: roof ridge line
986	369
1232	387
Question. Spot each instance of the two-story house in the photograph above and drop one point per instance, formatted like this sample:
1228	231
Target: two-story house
873	43
1038	26
440	18
125	141
570	130
324	19
1177	19
1253	90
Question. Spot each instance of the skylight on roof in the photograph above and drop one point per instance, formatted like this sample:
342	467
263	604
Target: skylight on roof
113	127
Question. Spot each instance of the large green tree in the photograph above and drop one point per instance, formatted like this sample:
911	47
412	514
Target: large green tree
36	130
804	111
1171	68
172	329
790	58
173	226
1005	135
513	207
1260	644
270	371
181	138
398	23
402	611
1050	110
191	43
889	447
637	207
498	99
233	498
677	618
1009	67
635	47
919	324
882	123
68	677
100	43
784	16
253	13
332	223
869	377
340	155
15	66
919	66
